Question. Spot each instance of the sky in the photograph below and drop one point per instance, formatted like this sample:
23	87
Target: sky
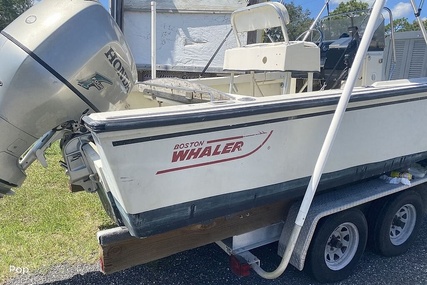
399	8
105	3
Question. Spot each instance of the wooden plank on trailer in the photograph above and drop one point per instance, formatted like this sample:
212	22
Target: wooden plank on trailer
119	251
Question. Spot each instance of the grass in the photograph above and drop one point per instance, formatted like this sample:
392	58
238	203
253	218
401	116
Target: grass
45	224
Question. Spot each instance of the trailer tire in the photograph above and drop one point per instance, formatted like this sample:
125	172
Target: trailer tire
397	223
337	245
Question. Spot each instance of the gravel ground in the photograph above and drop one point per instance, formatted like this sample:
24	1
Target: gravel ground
209	265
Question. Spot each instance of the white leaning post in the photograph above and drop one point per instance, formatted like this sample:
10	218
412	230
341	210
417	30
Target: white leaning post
327	145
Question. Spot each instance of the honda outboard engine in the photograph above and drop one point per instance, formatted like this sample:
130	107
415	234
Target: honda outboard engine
58	60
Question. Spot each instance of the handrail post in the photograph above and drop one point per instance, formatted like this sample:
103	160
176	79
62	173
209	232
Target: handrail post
339	113
327	145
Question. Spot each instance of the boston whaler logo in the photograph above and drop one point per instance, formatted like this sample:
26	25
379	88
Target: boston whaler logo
95	80
193	154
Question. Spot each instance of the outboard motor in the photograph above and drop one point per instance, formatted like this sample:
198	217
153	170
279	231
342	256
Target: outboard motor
58	60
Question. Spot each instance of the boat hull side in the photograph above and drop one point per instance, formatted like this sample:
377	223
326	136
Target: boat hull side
250	152
180	215
151	168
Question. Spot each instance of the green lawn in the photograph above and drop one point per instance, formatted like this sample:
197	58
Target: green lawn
46	224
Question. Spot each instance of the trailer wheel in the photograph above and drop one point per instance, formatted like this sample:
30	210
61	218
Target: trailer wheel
337	246
397	223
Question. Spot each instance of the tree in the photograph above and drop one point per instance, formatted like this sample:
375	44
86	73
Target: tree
350	6
403	25
399	25
300	21
11	9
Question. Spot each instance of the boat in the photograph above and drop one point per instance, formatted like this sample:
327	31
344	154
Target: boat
211	149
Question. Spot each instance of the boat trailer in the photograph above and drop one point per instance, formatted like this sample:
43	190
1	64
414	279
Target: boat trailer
329	231
273	223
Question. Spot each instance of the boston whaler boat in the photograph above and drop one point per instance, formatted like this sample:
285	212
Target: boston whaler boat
219	145
234	152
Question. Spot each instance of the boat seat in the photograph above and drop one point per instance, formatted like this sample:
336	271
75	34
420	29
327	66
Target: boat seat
276	56
259	17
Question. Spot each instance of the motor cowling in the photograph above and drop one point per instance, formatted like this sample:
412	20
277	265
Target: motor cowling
57	60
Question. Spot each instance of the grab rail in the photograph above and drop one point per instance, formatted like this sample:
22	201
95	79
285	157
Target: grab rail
393	44
177	84
327	145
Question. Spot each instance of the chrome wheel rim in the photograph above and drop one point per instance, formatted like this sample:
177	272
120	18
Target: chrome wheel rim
341	246
403	224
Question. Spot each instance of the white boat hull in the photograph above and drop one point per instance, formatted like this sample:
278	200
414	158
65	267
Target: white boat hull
173	166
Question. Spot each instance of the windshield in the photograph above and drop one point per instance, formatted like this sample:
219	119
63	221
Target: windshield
351	24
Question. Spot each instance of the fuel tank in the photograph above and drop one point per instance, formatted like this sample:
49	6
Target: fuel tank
58	60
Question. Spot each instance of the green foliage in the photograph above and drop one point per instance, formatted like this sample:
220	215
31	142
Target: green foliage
11	9
350	6
300	21
403	25
399	25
